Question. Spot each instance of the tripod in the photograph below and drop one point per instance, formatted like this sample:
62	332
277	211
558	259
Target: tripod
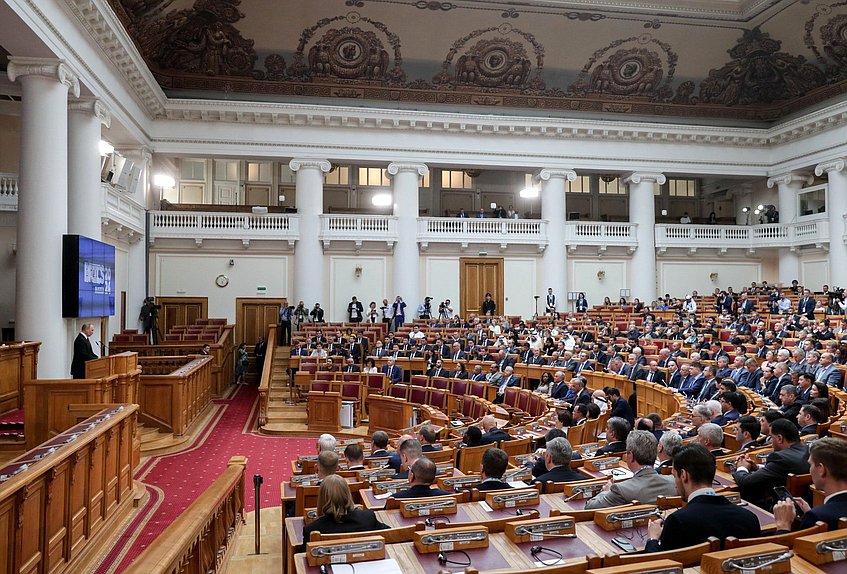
535	316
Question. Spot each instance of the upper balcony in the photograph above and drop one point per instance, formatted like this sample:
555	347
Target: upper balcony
122	217
245	227
725	237
467	231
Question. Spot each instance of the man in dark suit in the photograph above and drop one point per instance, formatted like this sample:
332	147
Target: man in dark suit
559	388
617	429
620	407
82	351
790	405
491	434
710	384
392	371
828	467
789	456
806	305
494	464
809	418
509	380
351	366
581	394
503	360
706	513
438	370
632	370
421	477
428	439
654	375
747	431
557	459
694	384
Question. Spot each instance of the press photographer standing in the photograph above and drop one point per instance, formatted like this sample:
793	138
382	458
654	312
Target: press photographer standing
149	318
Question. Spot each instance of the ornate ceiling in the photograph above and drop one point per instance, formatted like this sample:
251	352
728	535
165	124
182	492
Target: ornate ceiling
733	61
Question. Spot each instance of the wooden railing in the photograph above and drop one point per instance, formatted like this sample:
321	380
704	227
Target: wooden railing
267	375
59	501
18	363
174	400
221	353
112	380
198	540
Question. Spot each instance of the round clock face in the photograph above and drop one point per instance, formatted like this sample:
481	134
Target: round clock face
221	280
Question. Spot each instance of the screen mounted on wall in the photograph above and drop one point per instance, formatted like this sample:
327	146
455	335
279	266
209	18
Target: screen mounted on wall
88	277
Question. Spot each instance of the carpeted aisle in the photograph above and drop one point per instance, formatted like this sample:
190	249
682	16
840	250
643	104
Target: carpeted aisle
180	478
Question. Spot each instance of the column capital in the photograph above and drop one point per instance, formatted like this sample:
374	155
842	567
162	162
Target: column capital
297	164
93	106
836	164
419	168
644	176
51	68
546	174
790	177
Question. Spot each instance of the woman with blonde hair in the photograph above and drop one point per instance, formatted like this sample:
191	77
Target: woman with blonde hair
337	513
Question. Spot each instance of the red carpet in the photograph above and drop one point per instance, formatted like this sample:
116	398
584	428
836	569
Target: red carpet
182	477
13	417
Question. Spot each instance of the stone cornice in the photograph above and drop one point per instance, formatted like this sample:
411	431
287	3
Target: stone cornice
828	166
548	174
637	177
51	68
790	177
297	164
418	168
93	106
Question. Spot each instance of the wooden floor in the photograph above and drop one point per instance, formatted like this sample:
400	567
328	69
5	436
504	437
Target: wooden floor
243	559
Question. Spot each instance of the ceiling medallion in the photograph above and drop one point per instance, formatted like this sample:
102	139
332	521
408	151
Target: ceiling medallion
353	17
504	28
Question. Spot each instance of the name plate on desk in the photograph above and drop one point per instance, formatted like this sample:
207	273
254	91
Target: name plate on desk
304	480
517	474
823	548
444	468
513	498
429	506
448	539
603	463
361	549
759	559
652	567
583	491
374	474
522	458
390	486
458	482
538	529
625	517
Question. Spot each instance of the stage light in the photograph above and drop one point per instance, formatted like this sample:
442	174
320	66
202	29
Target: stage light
381	199
529	192
163	180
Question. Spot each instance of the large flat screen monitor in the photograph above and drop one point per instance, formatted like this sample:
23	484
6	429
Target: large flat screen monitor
88	277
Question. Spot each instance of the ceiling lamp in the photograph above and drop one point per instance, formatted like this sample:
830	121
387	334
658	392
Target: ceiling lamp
473	173
381	199
608	177
529	192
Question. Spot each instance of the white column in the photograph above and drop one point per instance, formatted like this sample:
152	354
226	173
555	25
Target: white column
836	208
642	212
406	267
85	196
43	207
308	256
788	185
554	261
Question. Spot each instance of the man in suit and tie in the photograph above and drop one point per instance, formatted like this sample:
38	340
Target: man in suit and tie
789	456
790	405
582	364
632	370
677	375
83	351
581	396
694	383
456	352
421	476
747	431
722	371
494	464
809	418
738	369
477	374
752	374
806	305
557	461
559	388
645	485
350	366
706	513
664	357
437	370
392	371
509	380
710	384
491	434
654	375
827	372
828	467
620	407
745	305
503	360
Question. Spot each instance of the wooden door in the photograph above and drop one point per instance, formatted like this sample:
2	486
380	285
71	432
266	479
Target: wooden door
252	317
478	276
258	195
226	193
181	311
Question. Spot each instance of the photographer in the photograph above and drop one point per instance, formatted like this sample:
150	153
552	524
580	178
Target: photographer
425	309
149	318
445	311
836	305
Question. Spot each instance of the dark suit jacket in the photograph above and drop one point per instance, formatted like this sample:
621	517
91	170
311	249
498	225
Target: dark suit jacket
493	485
583	398
613	447
351	369
493	436
559	391
658	377
757	485
829	512
421	491
621	408
559	474
702	517
358	520
82	353
395	373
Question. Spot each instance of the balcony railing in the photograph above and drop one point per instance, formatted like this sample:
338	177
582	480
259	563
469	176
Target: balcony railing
358	228
8	192
738	236
122	216
467	230
207	225
600	234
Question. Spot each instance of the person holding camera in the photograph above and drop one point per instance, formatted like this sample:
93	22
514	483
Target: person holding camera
425	309
355	310
445	311
149	318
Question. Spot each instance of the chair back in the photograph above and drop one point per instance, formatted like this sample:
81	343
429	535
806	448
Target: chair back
469	459
516	447
786	539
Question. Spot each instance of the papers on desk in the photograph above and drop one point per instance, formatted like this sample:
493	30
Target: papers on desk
617	473
382	496
387	566
517	484
485	507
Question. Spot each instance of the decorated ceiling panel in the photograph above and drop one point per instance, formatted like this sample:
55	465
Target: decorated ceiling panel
732	61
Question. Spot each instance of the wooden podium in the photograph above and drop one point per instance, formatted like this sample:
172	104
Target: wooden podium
388	414
324	411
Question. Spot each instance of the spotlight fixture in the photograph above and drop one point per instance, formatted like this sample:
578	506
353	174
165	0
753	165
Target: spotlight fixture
163	180
760	207
745	210
381	199
106	148
529	192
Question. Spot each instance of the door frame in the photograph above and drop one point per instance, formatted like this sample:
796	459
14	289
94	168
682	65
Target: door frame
498	296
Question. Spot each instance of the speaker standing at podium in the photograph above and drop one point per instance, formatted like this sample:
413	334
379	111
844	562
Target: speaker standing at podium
83	351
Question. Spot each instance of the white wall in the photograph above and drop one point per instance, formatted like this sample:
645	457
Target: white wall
8	237
372	285
583	277
188	275
121	283
519	287
678	278
814	272
441	281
